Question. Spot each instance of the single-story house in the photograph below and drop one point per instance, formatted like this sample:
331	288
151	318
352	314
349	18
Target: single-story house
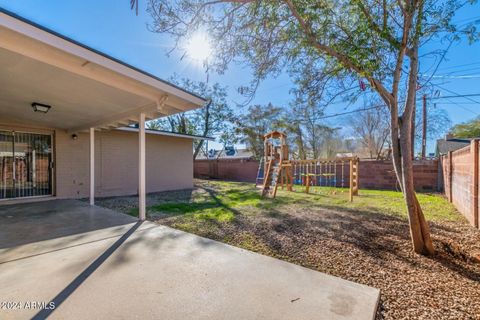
450	143
65	116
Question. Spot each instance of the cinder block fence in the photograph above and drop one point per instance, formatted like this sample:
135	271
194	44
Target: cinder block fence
460	174
244	170
457	174
373	174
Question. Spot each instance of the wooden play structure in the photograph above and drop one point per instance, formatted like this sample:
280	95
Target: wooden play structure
277	169
275	165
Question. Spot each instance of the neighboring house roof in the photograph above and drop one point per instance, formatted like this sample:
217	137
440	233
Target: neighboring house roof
452	144
344	154
168	133
228	153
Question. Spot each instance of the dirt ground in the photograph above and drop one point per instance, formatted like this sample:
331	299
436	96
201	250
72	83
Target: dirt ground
362	242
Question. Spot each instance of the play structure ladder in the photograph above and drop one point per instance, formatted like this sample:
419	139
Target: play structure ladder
259	180
271	182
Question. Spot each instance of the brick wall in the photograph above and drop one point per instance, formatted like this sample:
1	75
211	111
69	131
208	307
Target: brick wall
168	164
372	174
460	179
381	175
231	169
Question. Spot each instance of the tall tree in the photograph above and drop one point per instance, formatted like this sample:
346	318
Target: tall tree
372	128
468	129
255	123
311	129
370	39
211	120
331	143
295	136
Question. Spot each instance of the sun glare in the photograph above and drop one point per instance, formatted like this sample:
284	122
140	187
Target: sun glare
198	47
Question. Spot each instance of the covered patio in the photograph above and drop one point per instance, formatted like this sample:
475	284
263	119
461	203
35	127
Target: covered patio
97	264
52	90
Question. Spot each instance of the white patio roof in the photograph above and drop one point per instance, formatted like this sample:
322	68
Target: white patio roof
86	88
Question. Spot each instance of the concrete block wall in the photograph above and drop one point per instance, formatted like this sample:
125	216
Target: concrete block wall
380	174
461	180
373	174
244	170
169	164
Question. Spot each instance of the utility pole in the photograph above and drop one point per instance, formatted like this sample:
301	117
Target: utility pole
424	126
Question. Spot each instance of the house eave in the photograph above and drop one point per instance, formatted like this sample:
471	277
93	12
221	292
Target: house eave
168	134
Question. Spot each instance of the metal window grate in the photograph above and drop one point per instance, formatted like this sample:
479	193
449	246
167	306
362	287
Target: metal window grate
25	160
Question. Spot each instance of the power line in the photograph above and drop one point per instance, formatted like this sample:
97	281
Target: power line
461	76
461	70
460	65
444	54
464	108
383	105
464	103
456	93
467	20
350	112
456	96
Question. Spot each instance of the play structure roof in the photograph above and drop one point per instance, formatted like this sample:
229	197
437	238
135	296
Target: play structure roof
274	134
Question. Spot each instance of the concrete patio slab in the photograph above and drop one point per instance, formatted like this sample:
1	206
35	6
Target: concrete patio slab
129	270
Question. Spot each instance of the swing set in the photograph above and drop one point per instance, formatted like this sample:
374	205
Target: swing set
327	173
276	168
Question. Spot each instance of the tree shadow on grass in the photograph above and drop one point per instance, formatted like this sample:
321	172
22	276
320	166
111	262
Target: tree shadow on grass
213	212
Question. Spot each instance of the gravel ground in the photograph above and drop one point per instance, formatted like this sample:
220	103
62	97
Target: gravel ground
362	246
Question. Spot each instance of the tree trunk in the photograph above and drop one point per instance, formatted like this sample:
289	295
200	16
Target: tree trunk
197	149
402	156
419	230
206	128
403	165
413	127
299	139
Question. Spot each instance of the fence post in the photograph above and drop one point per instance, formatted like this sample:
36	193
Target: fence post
449	177
351	181
474	185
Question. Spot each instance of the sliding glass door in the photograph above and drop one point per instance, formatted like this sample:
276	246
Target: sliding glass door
25	164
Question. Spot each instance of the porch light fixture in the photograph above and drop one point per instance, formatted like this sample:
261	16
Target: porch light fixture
40	107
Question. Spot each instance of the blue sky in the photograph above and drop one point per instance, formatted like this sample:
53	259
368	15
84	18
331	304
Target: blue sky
111	27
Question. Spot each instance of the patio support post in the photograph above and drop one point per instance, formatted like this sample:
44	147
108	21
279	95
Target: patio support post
92	166
141	168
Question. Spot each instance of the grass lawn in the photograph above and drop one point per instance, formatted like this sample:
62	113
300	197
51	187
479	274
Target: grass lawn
366	241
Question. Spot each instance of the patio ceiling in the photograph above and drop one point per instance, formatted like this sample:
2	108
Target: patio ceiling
84	87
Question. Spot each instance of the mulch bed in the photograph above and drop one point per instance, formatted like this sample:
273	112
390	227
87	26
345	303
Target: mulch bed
371	249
